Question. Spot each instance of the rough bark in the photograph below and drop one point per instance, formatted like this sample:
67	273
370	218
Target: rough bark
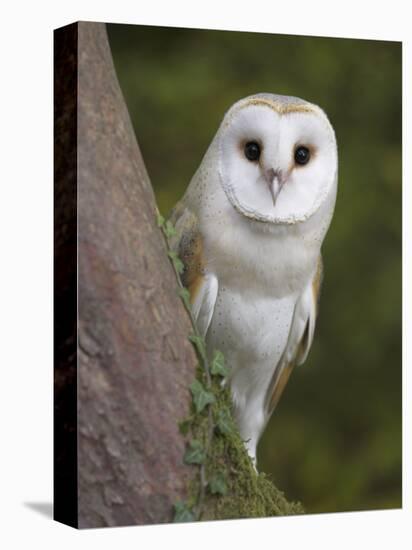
135	361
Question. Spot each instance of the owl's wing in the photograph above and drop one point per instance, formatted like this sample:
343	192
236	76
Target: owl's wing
202	284
299	340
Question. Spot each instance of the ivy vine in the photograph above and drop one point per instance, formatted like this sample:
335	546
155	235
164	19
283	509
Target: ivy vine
205	391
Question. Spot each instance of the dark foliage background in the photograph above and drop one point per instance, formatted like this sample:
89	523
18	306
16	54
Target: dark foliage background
335	440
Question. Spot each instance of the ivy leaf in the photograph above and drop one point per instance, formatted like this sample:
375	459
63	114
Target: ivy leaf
183	513
224	422
169	229
195	454
218	364
177	262
199	344
201	397
159	219
185	295
217	485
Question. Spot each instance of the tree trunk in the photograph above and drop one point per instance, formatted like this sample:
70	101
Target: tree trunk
135	363
134	354
123	361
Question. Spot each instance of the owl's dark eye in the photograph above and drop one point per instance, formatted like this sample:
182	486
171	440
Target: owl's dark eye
302	155
252	150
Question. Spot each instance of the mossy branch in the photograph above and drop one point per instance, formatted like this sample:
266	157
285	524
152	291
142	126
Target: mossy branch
228	485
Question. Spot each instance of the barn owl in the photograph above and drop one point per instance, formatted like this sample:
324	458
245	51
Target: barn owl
249	231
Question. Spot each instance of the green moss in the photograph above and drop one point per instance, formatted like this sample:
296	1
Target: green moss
247	494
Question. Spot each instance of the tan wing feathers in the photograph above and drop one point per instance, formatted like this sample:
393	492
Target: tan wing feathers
317	282
189	246
307	337
284	368
202	285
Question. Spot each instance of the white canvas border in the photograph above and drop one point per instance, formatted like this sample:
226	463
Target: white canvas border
26	280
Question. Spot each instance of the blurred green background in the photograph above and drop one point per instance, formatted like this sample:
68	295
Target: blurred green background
334	442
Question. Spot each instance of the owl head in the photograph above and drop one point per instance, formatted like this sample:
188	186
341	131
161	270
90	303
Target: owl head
277	158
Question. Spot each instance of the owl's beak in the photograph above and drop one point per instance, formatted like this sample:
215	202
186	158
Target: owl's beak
275	182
